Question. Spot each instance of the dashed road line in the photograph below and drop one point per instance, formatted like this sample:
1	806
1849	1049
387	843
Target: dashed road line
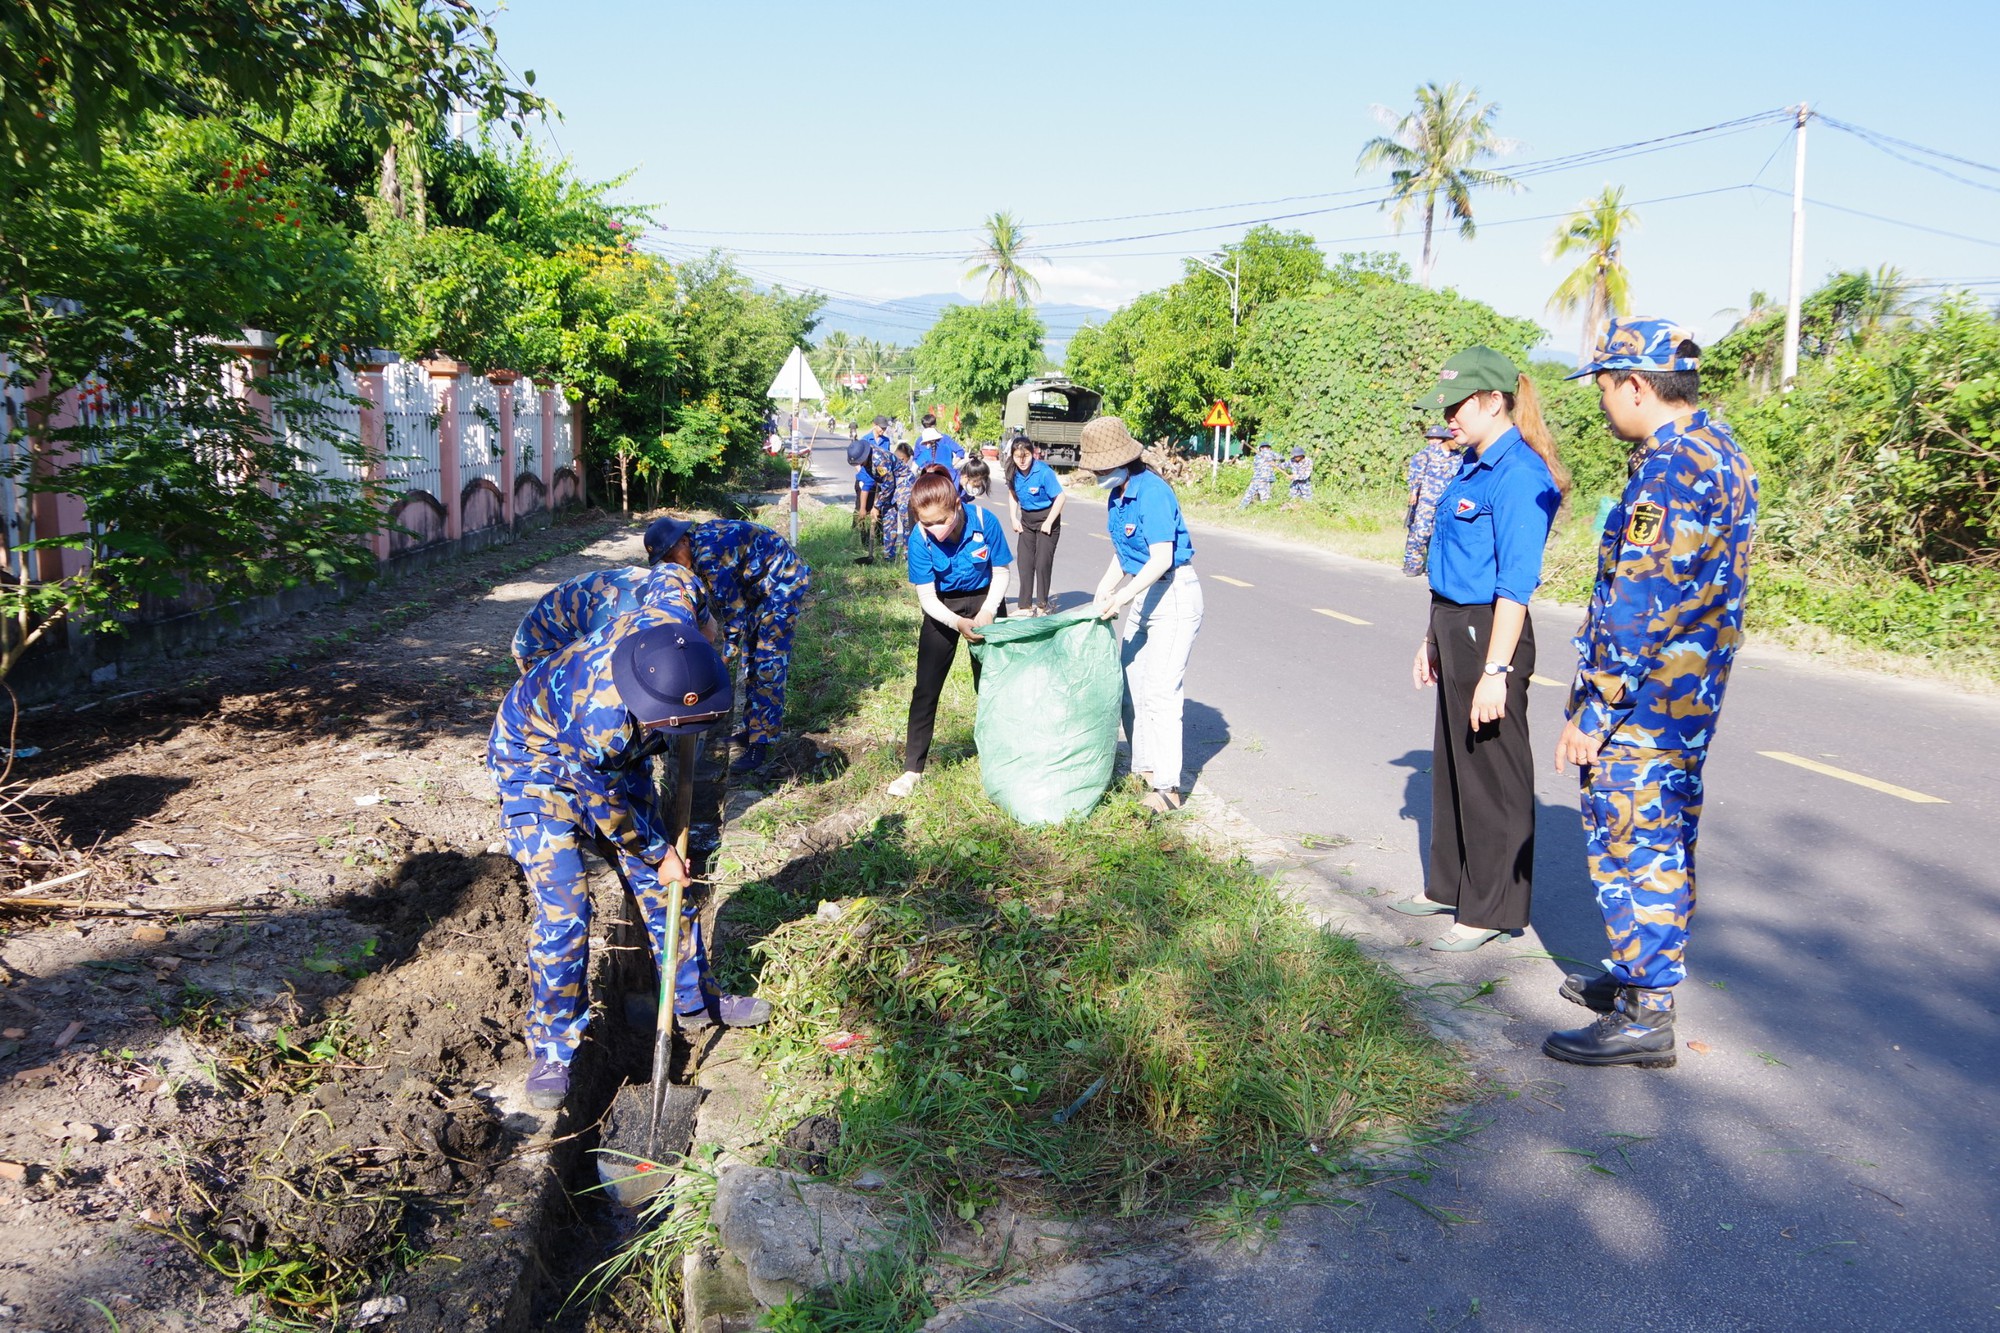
1859	780
1234	583
1342	615
1544	680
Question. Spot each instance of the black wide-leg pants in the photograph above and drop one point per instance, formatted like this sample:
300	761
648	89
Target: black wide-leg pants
1482	779
937	649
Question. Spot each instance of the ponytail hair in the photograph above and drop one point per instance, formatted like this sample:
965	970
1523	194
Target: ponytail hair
1524	406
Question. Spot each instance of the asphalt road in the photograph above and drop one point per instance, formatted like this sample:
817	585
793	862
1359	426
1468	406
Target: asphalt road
1827	1157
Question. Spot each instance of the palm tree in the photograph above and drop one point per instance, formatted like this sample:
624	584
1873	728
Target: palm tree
1887	303
1762	306
1432	152
836	351
1599	286
1002	261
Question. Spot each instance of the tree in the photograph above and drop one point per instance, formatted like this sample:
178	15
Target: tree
1599	286
974	354
1888	302
1002	261
1432	152
1762	306
1163	359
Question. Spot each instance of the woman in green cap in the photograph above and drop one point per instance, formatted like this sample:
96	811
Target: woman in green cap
1485	562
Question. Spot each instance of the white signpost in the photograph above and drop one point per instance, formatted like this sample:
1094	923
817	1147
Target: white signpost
795	381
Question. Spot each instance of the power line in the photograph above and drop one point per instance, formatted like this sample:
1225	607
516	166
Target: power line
1880	143
1545	166
1877	217
1852	128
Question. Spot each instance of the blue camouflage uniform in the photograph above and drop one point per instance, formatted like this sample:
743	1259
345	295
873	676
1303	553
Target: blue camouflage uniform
1300	470
1263	472
1431	470
1653	656
583	605
574	770
756	588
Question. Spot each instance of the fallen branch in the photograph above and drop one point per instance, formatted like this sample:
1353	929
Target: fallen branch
121	907
52	883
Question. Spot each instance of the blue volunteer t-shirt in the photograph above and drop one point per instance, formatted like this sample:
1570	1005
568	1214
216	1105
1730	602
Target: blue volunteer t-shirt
1037	488
944	450
965	565
1144	511
1492	523
864	479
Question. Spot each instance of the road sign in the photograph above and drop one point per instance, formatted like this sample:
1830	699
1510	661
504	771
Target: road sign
1218	416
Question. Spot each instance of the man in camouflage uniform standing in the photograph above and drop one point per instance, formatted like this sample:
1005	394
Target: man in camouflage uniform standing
578	607
756	585
1664	623
570	753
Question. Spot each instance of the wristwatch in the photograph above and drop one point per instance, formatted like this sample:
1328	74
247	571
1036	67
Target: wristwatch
1497	669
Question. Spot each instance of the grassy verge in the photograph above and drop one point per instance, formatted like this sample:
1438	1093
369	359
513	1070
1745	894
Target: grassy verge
1853	617
1095	1019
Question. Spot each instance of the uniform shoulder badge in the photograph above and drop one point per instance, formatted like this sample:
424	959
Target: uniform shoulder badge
1642	527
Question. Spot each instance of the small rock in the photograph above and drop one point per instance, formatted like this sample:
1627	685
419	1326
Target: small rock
153	847
149	934
870	1180
125	1133
829	911
372	798
68	1034
16	1172
14	1034
79	1131
376	1310
495	848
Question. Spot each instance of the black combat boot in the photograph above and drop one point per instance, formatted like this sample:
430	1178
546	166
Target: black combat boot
1598	993
1628	1035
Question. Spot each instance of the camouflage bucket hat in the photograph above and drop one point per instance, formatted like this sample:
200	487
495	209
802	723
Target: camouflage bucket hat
1637	343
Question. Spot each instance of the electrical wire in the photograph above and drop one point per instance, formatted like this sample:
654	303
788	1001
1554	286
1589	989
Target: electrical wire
1880	144
1877	217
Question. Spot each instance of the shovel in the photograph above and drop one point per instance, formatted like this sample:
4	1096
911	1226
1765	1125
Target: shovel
656	1122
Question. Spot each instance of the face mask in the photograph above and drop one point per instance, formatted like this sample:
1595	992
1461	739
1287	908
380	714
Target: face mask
1115	478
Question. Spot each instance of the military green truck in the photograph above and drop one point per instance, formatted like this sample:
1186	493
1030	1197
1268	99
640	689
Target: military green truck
1050	411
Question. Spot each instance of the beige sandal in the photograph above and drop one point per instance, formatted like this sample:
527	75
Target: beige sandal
1162	802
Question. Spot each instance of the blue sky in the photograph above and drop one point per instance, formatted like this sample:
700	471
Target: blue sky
876	117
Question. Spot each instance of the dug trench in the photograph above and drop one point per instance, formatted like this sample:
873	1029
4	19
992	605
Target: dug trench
284	1084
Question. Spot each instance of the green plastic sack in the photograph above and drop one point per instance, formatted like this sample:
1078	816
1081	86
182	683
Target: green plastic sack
1047	729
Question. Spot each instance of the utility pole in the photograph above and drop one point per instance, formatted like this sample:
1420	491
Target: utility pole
1791	363
1233	278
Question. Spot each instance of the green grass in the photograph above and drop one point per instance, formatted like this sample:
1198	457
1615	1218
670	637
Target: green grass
1242	1060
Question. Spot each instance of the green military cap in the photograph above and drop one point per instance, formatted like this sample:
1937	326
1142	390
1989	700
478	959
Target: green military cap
1475	370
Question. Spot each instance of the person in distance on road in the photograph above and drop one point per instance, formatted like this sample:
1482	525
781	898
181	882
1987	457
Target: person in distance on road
1431	470
1035	500
934	446
587	603
1485	563
1152	555
1263	474
756	585
570	755
1653	656
958	564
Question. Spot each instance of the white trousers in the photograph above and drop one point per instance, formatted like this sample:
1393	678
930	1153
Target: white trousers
1159	635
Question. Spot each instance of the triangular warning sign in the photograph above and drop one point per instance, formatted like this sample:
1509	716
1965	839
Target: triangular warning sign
1218	416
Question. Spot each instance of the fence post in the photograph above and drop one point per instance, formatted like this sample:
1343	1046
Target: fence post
576	451
503	380
548	450
56	514
374	434
444	401
257	349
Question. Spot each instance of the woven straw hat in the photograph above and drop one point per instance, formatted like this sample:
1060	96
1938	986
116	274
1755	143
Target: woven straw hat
1107	444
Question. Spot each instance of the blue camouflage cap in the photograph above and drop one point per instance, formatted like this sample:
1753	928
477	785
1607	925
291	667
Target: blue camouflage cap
662	535
1637	343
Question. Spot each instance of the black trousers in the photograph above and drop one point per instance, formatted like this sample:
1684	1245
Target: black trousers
1037	556
937	649
1482	779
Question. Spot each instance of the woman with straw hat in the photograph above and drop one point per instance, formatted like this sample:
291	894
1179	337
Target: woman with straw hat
1151	578
1493	520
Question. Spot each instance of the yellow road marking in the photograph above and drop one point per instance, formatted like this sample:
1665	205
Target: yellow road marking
1342	615
1873	784
1544	680
1234	583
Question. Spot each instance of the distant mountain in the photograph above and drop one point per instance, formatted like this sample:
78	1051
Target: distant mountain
906	318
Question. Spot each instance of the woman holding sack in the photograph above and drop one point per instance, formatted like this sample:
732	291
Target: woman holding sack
1493	520
958	564
1035	499
1152	556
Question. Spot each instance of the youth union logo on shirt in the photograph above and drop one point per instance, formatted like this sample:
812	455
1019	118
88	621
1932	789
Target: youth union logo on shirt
1466	506
1131	528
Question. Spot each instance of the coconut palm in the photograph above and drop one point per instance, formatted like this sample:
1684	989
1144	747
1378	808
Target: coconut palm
1762	305
1003	261
836	352
1887	303
1432	152
1599	286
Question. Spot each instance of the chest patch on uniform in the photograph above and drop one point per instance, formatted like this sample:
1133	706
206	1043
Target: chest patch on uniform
1466	506
1131	528
1642	527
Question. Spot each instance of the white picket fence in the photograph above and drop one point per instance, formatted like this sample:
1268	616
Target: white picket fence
339	418
16	515
480	453
411	458
564	443
527	425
